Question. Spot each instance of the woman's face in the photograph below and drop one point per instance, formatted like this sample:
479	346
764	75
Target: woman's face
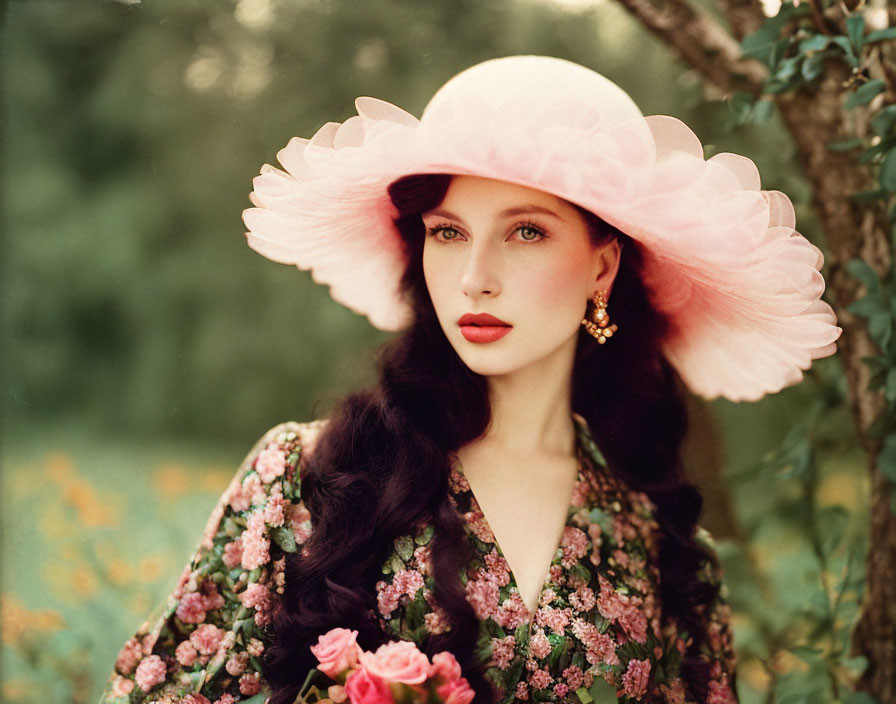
519	254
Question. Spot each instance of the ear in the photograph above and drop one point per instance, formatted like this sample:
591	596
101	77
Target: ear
608	257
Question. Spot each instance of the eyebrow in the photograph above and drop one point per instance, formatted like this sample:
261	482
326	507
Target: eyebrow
510	212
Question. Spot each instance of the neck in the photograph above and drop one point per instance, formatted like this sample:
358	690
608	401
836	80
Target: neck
532	407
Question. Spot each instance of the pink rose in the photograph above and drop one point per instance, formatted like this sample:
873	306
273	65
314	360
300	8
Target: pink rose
337	650
456	692
365	688
399	661
445	665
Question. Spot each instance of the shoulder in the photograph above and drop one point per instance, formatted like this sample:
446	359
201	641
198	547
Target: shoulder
222	605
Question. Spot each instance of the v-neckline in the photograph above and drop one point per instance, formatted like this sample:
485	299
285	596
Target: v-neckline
581	456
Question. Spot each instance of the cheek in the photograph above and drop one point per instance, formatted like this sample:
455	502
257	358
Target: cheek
561	284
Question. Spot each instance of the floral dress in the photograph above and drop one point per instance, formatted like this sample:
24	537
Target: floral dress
597	634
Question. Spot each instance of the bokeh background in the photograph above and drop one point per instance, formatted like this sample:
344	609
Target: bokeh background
146	347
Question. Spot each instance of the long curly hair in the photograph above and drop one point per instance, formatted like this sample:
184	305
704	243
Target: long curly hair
381	466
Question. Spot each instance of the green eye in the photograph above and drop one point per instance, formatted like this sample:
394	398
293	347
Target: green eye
530	233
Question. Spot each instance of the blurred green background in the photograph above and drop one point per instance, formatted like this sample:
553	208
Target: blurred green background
146	347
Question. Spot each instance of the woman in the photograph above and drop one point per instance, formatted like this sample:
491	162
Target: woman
511	491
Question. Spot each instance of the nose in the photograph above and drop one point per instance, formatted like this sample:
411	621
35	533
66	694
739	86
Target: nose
479	274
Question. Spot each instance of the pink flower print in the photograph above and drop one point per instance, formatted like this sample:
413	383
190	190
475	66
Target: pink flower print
270	463
556	575
226	699
512	612
233	553
259	597
720	693
457	482
582	599
250	684
238	499
580	493
546	597
555	619
254	489
256	545
436	620
634	623
574	544
207	638
191	608
560	689
182	582
539	645
482	594
573	677
211	598
621	558
408	582
478	525
186	653
609	602
421	557
498	569
522	691
150	672
540	679
300	521
386	598
634	681
122	687
274	510
237	663
255	647
128	657
600	647
502	652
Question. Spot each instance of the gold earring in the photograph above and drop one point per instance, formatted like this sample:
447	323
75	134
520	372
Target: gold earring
599	326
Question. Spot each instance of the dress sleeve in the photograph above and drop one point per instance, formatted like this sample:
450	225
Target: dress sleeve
719	647
203	643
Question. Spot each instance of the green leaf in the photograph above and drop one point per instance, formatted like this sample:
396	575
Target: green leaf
880	328
806	653
860	269
816	42
890	386
404	546
812	67
887	175
857	665
865	93
849	55
859	698
886	460
762	111
844	145
855	29
601	692
883	119
583	695
285	538
880	34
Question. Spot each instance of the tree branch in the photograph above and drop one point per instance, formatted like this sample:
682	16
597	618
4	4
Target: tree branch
701	42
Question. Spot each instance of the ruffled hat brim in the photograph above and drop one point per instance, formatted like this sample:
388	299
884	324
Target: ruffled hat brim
723	260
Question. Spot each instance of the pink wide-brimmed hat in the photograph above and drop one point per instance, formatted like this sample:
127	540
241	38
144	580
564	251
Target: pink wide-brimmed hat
723	261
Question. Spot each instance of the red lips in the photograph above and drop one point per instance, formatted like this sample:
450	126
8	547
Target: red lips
481	319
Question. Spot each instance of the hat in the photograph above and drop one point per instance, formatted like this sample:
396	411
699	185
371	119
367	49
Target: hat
722	260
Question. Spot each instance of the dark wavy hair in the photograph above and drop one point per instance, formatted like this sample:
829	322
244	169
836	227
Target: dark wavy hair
381	466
